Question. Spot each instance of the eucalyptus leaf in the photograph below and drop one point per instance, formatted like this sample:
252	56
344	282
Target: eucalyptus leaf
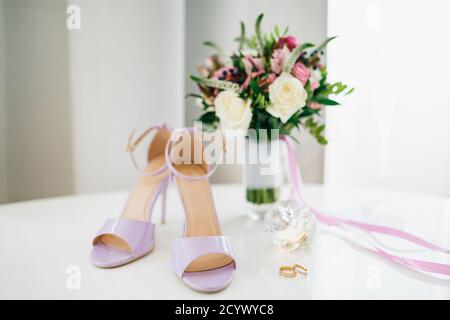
219	84
325	43
294	56
193	95
213	45
242	37
258	30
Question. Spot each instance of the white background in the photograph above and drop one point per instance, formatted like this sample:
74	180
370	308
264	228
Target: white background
72	97
394	132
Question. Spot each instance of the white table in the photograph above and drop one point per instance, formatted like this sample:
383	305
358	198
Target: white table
44	243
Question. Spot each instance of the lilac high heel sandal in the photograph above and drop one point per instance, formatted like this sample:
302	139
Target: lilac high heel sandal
132	235
203	258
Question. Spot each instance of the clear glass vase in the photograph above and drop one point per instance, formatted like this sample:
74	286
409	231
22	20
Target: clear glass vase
262	176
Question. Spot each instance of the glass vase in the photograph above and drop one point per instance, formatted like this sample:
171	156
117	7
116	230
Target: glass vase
262	176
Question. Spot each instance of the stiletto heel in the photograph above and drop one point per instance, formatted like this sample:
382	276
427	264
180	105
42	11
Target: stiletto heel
132	235
203	258
163	203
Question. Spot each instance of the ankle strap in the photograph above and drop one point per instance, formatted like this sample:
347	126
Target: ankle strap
131	146
168	153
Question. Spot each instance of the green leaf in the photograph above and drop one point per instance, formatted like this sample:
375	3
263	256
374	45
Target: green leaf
294	138
326	101
255	87
195	78
326	89
320	128
258	30
193	95
260	101
350	91
316	130
269	41
294	56
274	123
242	37
209	117
325	43
252	42
213	45
338	87
219	84
307	112
277	31
322	140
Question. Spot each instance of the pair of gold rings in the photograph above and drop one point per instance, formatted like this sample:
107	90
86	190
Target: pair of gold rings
292	271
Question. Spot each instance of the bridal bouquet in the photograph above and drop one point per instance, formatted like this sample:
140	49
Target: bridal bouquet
270	82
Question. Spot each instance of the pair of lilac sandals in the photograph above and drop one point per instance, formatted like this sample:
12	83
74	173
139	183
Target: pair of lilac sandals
203	257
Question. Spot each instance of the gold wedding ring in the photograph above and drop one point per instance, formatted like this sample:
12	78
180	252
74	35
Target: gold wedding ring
292	271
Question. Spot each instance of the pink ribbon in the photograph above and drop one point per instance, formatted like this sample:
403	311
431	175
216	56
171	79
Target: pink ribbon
418	265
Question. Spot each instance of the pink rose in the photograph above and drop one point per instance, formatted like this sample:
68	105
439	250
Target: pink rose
279	59
300	71
315	105
290	41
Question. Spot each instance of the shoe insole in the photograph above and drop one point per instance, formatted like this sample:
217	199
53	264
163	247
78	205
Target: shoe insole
201	219
139	201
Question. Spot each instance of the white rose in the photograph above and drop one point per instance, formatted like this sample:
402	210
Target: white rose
287	96
233	112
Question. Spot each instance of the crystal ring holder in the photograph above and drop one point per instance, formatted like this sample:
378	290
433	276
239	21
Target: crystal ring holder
293	226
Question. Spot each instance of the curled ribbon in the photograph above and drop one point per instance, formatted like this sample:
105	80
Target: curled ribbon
418	265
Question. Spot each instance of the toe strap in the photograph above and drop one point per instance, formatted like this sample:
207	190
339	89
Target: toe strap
138	235
186	250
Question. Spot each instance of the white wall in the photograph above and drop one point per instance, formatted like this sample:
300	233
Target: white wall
218	21
394	131
72	97
126	70
37	100
3	165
